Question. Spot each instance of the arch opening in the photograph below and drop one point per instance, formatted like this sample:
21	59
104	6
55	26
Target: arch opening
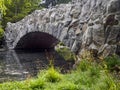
36	41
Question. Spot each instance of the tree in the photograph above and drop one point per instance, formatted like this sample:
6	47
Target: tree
2	11
18	9
14	10
3	7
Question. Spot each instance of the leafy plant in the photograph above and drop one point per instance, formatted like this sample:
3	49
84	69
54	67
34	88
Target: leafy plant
94	70
68	86
12	86
112	61
53	75
18	9
3	7
37	84
84	65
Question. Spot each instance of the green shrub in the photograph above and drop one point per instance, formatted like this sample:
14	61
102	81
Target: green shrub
84	65
68	86
94	71
37	84
13	86
52	75
112	61
110	83
118	85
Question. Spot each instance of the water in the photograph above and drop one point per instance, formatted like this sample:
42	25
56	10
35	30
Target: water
19	65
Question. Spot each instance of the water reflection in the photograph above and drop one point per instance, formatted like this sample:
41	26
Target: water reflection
20	65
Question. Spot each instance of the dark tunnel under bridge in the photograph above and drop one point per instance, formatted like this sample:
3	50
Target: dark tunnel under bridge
36	41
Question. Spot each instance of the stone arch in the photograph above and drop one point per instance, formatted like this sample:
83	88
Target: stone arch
36	40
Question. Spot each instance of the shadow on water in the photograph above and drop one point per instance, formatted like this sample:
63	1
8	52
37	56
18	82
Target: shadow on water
18	65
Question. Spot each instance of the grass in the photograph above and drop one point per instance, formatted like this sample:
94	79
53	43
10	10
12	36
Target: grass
87	76
36	84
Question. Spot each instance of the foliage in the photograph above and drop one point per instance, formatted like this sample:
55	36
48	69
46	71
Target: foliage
12	86
94	71
3	7
65	53
18	9
68	86
52	75
112	61
93	78
36	84
84	65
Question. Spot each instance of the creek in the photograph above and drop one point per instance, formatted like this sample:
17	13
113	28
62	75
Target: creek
20	65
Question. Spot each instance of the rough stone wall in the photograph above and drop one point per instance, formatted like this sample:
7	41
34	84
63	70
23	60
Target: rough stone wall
81	24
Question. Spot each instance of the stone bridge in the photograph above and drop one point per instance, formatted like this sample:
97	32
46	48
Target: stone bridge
80	25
